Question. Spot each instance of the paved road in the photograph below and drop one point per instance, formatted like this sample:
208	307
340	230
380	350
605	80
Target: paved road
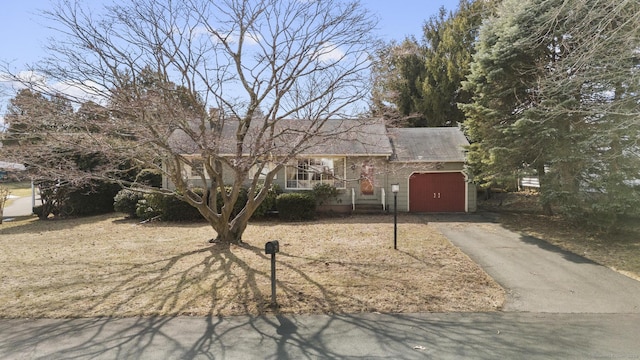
363	336
560	306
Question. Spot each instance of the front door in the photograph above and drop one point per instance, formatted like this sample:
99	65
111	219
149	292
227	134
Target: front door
367	178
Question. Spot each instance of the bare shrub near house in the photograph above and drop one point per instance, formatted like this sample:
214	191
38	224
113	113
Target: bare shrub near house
4	195
210	79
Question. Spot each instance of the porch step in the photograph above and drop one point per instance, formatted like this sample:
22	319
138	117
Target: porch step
368	209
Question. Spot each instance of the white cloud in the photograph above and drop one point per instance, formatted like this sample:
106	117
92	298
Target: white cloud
329	53
84	91
232	38
249	38
18	81
78	91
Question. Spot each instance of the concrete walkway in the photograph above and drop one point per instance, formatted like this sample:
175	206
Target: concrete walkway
21	206
559	306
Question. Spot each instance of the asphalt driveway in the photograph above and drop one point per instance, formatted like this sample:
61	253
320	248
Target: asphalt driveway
539	277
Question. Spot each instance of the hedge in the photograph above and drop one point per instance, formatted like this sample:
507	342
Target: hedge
170	208
296	206
93	199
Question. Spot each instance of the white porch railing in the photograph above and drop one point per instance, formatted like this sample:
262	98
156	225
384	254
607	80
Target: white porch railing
383	195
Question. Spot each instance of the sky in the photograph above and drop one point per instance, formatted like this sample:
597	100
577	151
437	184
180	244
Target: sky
23	33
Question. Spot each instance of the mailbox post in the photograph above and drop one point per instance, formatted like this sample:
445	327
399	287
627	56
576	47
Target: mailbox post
272	247
395	188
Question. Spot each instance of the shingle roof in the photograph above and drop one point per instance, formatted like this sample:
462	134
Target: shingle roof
349	137
336	137
443	144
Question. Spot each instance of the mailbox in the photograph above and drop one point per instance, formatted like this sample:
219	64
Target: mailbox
272	247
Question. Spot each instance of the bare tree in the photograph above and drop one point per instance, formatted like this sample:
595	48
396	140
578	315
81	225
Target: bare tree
214	79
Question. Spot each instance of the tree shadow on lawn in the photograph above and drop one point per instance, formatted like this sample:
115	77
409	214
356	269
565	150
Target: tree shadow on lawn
134	337
216	279
209	280
183	284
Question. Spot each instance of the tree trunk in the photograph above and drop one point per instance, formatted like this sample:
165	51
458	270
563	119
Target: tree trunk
227	234
230	232
546	204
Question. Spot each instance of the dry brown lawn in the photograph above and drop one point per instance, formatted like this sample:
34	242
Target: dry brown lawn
107	266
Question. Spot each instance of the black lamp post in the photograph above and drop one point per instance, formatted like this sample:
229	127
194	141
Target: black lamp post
394	189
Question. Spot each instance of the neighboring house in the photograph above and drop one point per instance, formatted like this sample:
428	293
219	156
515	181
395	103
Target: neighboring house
7	169
427	163
529	182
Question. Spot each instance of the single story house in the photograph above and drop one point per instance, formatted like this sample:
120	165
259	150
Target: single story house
363	160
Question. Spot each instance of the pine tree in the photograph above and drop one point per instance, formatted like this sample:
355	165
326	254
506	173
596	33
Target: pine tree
555	87
422	81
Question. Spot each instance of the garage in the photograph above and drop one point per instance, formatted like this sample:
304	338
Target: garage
437	192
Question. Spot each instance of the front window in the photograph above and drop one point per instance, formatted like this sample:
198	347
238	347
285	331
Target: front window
197	167
263	172
306	173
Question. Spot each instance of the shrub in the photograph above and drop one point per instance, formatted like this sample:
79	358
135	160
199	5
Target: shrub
126	201
174	209
167	208
265	206
150	206
269	202
324	193
150	177
237	207
296	206
39	211
93	199
170	208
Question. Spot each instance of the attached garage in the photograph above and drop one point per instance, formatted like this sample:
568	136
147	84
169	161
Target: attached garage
437	192
429	166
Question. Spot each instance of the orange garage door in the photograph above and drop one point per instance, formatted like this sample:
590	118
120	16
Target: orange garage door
437	192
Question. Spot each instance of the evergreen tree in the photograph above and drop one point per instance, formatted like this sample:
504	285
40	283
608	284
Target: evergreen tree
555	87
422	81
448	49
398	75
